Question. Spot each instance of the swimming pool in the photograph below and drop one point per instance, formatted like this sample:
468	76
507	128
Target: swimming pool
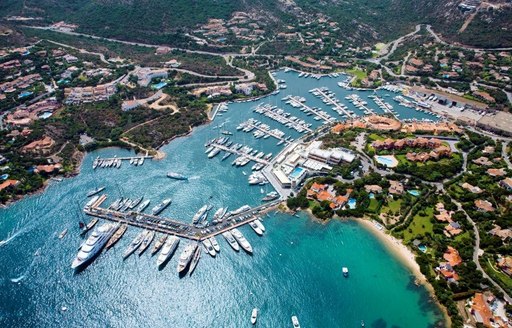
25	94
386	160
297	173
422	248
45	115
159	86
371	195
415	193
352	203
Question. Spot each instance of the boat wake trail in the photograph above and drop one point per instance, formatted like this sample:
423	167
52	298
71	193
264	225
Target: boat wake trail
6	241
195	177
16	280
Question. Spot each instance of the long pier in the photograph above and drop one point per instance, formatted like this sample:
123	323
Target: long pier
333	102
128	158
269	132
175	227
324	116
272	114
239	153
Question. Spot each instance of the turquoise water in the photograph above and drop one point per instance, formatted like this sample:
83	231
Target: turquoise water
295	269
159	86
296	173
352	202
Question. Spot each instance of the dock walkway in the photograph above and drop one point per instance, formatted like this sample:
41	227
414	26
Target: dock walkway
333	102
175	227
239	153
269	132
324	116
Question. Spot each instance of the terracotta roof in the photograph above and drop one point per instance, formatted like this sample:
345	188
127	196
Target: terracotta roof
452	256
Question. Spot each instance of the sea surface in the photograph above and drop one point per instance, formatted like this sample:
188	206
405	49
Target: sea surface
295	268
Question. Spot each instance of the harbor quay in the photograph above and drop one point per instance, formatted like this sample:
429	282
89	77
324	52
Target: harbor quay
175	227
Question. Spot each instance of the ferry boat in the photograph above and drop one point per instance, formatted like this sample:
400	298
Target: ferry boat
241	240
117	235
231	240
95	191
215	244
158	245
209	247
134	244
195	260
295	322
199	215
256	228
94	244
168	250
186	256
254	316
150	235
160	207
176	176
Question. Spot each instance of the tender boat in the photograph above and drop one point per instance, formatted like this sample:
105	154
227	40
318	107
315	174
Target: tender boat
345	271
186	256
195	260
89	226
295	322
254	316
159	243
146	242
162	206
241	240
209	247
176	176
63	233
94	244
117	235
134	244
95	191
256	228
215	245
168	250
231	240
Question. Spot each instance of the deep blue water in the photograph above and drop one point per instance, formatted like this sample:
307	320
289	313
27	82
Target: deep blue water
295	269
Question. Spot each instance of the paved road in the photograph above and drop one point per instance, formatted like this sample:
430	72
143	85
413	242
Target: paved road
477	252
505	155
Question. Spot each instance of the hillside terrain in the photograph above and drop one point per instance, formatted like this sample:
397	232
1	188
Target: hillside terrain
360	22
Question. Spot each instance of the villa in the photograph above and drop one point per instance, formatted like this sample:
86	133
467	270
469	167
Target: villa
505	264
9	183
322	193
376	189
42	146
506	183
496	172
396	187
471	188
484	205
482	161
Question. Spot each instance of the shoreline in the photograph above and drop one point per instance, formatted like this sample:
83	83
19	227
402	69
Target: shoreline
406	257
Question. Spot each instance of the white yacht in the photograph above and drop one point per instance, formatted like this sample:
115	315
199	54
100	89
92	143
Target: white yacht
186	256
215	244
241	240
168	250
209	247
94	244
231	240
256	228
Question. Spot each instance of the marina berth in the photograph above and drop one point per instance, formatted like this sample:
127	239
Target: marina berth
168	250
186	256
231	240
209	247
116	236
195	260
134	244
158	245
256	228
148	238
240	238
